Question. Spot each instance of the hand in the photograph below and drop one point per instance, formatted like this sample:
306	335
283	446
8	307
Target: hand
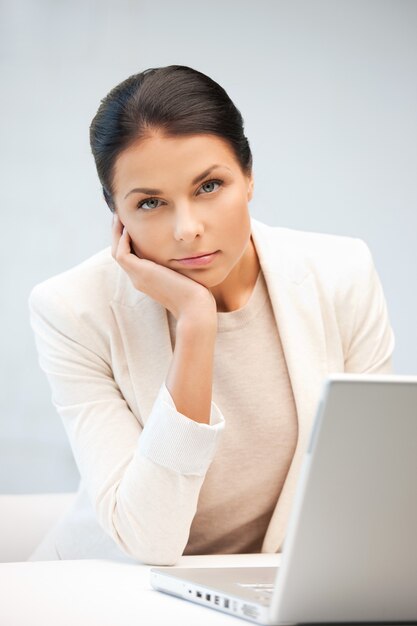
182	296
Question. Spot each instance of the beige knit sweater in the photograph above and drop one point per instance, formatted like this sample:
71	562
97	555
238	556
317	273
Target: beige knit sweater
252	387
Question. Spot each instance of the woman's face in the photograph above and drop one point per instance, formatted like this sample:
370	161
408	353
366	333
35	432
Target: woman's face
174	208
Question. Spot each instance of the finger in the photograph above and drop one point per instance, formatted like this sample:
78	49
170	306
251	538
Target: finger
124	251
117	224
135	267
117	227
124	242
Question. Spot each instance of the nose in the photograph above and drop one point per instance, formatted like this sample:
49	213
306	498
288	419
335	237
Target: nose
187	225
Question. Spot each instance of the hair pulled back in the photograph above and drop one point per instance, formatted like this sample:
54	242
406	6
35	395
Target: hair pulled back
176	100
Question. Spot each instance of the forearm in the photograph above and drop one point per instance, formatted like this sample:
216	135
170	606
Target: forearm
152	512
162	483
190	377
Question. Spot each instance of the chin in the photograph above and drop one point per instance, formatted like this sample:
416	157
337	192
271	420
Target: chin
214	281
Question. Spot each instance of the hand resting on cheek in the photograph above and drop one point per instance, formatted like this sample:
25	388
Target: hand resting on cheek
179	294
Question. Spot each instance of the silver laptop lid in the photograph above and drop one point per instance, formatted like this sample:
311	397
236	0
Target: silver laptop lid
351	549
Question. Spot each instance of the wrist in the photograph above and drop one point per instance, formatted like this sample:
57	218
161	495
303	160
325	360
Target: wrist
198	321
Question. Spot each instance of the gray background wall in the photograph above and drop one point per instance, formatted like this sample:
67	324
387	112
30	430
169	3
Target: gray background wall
328	92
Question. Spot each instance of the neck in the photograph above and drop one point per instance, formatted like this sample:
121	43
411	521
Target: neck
234	292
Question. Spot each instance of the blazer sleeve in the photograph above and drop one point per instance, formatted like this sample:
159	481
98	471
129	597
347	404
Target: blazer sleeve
368	336
144	483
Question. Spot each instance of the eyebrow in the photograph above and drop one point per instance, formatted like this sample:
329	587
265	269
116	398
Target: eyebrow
196	180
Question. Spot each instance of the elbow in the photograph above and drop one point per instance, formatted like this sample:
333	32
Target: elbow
152	544
147	537
149	554
161	559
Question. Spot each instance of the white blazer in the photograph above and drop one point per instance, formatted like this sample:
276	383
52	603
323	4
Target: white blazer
105	348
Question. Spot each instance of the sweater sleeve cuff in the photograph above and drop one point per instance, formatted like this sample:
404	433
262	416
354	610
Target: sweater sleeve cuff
177	442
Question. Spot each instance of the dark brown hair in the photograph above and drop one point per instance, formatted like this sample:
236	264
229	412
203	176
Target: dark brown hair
176	100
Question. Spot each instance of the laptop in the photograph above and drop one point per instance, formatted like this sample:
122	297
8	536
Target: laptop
350	552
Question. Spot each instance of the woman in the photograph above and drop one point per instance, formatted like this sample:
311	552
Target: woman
187	362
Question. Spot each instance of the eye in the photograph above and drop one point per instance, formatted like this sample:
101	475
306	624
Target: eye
209	184
153	202
141	205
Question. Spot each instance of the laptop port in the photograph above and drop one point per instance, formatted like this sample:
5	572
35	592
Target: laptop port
216	599
226	603
208	597
198	594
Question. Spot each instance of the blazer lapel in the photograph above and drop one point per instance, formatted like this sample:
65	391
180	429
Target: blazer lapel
295	302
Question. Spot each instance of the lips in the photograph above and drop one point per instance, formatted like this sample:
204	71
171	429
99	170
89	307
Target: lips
203	259
195	256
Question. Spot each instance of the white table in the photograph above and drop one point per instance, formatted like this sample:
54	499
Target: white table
105	593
